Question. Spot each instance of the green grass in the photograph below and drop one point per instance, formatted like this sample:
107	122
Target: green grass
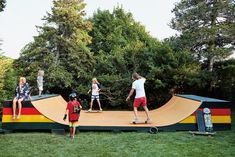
125	144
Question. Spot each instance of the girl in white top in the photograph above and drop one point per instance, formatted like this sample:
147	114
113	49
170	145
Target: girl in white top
95	89
140	98
40	81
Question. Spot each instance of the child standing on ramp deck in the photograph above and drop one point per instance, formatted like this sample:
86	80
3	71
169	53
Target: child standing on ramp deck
73	110
95	89
140	98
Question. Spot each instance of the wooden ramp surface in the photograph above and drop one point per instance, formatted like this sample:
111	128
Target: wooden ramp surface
174	111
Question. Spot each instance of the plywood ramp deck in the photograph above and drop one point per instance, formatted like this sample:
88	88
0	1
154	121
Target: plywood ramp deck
174	111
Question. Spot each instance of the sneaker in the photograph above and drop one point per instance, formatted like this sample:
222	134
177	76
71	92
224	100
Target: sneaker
148	120
135	120
90	110
101	109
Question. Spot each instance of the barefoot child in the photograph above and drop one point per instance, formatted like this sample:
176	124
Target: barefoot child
40	81
22	93
95	89
73	110
140	98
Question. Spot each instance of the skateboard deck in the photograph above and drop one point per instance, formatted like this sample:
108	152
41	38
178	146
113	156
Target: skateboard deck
208	120
202	133
200	121
141	122
93	111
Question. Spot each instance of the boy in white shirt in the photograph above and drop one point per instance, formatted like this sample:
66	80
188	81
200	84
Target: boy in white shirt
140	97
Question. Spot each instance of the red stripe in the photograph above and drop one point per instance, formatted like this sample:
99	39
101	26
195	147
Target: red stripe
218	112
24	111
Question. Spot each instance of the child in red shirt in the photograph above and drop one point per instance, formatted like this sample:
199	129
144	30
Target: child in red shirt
73	110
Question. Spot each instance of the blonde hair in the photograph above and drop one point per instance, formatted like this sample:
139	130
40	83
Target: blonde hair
40	72
136	76
22	80
95	80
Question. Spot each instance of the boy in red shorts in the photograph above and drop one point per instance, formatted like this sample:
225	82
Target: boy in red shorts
140	98
73	110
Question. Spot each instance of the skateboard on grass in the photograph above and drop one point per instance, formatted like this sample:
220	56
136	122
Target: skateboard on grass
204	123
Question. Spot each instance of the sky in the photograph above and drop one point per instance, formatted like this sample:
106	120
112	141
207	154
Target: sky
19	19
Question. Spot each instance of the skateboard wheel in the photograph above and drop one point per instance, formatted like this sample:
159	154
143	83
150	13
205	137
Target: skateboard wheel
153	130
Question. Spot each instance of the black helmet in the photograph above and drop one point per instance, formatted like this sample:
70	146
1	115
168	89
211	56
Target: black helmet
72	96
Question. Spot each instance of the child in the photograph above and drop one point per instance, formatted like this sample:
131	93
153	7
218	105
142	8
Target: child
22	93
40	81
95	88
73	110
140	98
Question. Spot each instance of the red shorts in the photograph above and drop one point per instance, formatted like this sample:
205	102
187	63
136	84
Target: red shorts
140	102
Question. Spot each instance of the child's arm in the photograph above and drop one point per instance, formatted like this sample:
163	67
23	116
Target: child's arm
80	106
65	114
89	91
130	94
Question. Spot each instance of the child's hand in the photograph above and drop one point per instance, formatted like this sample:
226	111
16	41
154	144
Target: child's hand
65	116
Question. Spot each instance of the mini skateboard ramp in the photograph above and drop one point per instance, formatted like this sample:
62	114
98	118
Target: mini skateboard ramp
47	112
174	111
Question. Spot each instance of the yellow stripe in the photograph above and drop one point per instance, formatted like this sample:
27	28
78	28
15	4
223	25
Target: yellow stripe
26	118
215	119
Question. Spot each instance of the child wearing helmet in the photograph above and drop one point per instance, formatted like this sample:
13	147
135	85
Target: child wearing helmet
73	111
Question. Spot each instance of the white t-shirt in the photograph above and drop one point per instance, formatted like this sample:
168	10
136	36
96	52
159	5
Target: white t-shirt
95	89
138	85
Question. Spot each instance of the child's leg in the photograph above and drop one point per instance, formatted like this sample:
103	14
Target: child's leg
14	108
20	107
71	131
74	131
98	101
91	104
146	111
135	113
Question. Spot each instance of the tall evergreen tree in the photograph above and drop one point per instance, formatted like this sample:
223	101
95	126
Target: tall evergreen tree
60	48
2	4
207	28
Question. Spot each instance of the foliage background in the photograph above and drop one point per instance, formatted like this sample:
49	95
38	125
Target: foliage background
111	45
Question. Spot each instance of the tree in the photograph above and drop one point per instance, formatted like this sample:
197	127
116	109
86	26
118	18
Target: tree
121	46
224	85
8	79
207	28
60	49
2	4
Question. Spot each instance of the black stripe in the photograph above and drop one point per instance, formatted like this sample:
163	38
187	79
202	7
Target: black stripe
216	105
27	103
33	126
50	126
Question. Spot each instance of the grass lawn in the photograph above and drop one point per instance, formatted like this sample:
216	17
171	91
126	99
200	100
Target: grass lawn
125	144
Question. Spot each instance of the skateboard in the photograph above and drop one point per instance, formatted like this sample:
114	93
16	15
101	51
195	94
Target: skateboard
141	122
200	121
204	123
93	111
202	133
208	120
